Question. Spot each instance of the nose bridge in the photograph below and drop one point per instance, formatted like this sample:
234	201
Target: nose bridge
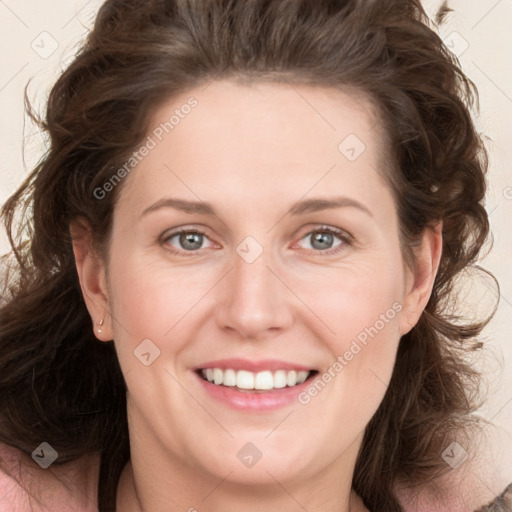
254	300
252	278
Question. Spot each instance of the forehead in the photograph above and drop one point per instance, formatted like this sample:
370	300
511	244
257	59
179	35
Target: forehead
237	138
278	113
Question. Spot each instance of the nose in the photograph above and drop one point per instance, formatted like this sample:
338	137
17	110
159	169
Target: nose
254	301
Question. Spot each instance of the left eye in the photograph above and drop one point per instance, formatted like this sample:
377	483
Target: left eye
188	240
322	239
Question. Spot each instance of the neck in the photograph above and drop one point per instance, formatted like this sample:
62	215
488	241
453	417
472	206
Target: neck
146	485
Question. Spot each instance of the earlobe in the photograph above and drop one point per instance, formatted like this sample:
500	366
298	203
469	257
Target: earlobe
92	277
421	279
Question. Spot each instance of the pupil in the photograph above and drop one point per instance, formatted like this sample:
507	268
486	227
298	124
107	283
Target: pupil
190	241
323	240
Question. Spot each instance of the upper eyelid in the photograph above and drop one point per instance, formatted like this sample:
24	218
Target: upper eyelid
343	235
171	234
340	232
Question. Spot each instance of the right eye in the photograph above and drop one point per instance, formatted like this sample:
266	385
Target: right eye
184	240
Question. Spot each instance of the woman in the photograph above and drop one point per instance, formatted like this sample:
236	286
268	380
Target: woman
235	291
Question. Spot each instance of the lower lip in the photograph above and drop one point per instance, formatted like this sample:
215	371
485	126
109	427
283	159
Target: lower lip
254	401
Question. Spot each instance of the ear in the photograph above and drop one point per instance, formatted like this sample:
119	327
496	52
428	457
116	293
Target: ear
92	276
420	279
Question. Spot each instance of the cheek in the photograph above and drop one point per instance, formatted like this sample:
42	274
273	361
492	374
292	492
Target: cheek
348	392
370	330
362	308
354	302
148	300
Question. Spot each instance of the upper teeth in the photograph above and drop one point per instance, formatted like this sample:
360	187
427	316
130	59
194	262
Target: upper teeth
247	380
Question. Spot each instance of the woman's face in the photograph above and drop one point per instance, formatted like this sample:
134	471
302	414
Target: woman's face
289	266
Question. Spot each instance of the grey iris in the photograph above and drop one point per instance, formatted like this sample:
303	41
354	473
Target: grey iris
191	241
323	240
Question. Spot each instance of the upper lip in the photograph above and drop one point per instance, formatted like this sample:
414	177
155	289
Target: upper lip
254	366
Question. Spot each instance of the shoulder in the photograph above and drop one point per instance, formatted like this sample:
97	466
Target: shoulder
479	484
471	494
26	486
502	503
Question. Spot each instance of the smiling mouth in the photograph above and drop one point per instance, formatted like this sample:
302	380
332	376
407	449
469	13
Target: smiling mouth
251	382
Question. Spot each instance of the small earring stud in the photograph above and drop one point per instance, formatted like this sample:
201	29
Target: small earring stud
101	323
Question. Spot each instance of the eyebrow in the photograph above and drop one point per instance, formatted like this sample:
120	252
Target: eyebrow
298	208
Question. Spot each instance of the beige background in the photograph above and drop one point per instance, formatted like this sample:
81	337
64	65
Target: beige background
38	37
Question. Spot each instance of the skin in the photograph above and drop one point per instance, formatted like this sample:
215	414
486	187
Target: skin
252	152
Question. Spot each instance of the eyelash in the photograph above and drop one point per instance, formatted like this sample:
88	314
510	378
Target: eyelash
346	239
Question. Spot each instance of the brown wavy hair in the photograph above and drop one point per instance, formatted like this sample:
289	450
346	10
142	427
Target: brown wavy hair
58	383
